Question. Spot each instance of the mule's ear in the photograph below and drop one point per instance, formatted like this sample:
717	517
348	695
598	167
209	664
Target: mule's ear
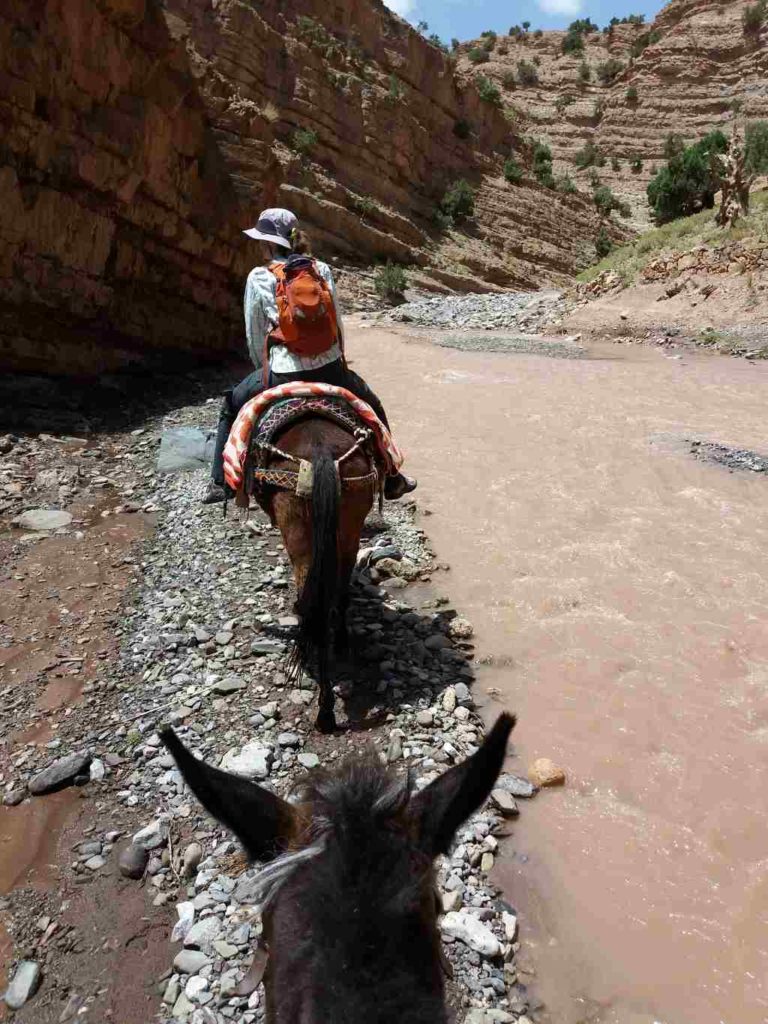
445	804
260	820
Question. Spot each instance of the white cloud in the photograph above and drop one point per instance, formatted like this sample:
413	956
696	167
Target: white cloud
402	7
561	6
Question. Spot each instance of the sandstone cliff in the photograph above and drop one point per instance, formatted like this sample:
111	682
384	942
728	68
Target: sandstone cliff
693	69
140	137
118	227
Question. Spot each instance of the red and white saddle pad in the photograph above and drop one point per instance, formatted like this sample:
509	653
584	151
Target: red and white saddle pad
240	436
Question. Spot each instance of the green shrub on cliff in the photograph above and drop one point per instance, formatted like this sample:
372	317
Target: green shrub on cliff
390	281
527	73
573	42
606	202
603	243
542	164
753	18
609	70
689	180
589	155
304	141
488	91
458	203
513	172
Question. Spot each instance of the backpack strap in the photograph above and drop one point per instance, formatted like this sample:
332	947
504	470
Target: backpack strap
277	269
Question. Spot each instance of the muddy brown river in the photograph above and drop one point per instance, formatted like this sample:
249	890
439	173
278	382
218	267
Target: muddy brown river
620	590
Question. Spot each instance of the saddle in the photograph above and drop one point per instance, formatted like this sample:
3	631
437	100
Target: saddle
258	476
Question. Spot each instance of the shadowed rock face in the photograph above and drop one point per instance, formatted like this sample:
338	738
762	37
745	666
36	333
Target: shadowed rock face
138	137
118	234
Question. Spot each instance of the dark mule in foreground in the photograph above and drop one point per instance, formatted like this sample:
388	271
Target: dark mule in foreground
348	896
321	532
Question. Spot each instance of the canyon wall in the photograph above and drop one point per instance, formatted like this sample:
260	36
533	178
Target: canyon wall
139	137
118	225
693	69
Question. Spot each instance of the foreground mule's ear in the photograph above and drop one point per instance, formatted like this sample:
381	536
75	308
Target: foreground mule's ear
259	819
445	804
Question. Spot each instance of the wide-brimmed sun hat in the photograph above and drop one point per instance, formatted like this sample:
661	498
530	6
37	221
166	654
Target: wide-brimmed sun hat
274	226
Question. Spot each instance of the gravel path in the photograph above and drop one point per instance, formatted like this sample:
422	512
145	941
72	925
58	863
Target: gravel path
522	311
202	642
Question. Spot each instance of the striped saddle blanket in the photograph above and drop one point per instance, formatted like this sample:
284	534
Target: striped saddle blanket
251	414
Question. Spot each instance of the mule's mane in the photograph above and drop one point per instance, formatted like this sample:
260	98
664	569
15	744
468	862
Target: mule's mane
345	811
360	790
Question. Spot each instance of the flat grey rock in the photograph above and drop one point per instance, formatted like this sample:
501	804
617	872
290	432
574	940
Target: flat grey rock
251	761
190	961
516	785
59	773
153	835
504	802
183	448
203	934
308	760
42	519
230	684
267	647
23	985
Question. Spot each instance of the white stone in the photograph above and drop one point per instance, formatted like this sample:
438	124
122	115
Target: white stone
473	933
153	835
510	925
252	761
186	912
23	985
203	934
195	987
308	760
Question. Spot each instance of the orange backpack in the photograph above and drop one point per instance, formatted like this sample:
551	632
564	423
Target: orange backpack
306	313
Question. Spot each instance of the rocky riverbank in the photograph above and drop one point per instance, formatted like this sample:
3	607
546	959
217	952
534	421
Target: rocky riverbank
144	906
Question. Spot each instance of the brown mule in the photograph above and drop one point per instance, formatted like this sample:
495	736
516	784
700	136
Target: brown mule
321	533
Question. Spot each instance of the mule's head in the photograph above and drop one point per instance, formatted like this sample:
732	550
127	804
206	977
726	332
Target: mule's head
349	881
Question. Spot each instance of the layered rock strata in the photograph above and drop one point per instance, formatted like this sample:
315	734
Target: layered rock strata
694	69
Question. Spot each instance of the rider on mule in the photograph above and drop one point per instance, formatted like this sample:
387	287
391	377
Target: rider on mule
277	363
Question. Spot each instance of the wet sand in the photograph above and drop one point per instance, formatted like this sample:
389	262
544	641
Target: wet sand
620	588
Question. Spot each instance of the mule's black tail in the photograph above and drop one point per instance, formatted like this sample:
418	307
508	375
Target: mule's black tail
317	604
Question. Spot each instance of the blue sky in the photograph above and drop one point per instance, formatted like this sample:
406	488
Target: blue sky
466	19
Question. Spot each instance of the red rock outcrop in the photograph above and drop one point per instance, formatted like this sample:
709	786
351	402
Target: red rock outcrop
139	137
118	228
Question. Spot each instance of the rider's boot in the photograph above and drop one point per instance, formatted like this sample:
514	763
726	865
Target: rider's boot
215	493
397	485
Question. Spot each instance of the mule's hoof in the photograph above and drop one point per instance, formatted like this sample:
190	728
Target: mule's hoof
326	722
